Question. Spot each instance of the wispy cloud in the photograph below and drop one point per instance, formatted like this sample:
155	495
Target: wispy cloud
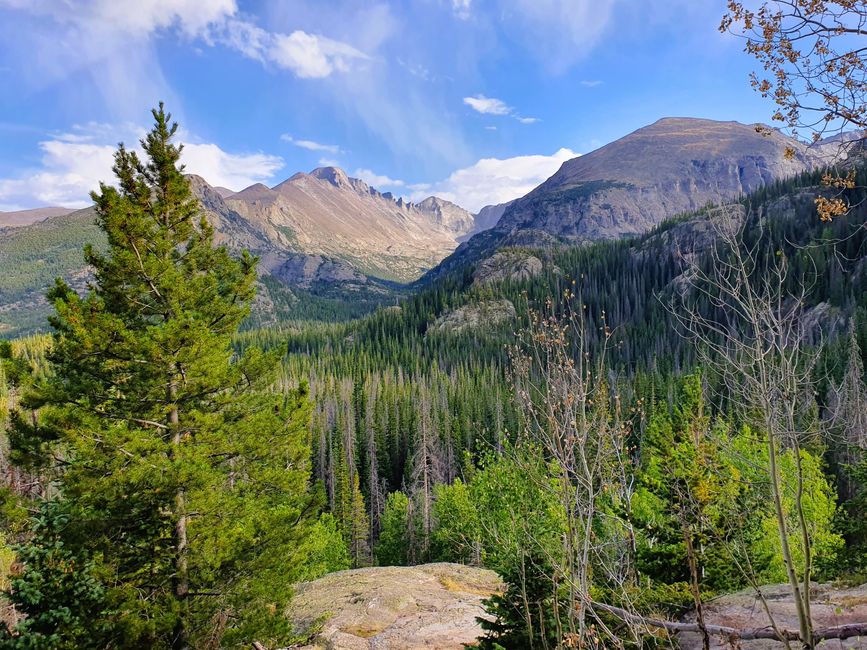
376	180
591	83
557	32
494	106
96	27
495	180
462	8
311	145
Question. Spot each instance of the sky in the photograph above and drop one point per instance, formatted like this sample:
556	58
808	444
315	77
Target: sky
476	101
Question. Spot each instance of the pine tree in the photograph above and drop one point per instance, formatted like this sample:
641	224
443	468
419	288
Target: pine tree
183	478
849	414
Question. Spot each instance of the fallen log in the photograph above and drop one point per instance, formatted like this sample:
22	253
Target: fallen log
736	634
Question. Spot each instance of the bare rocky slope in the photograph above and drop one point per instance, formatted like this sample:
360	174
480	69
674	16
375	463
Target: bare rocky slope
329	214
20	218
831	607
673	166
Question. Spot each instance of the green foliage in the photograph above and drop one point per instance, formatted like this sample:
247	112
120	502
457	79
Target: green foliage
686	489
457	536
524	614
185	479
517	514
60	590
325	549
393	545
750	454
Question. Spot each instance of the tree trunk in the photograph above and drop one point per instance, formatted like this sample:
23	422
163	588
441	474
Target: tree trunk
181	577
695	587
804	623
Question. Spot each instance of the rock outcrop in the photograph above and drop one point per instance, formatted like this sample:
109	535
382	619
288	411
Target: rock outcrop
830	607
432	606
507	265
487	314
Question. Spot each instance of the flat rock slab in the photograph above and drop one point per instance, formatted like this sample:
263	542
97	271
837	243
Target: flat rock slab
831	606
431	606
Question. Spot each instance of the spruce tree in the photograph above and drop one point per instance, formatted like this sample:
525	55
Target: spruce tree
183	479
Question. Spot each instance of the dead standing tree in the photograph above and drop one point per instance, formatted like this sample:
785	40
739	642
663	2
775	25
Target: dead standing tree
571	415
752	334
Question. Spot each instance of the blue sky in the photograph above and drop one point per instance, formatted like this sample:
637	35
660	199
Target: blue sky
474	100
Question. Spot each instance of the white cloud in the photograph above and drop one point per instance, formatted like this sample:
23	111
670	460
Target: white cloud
495	180
328	162
73	164
591	83
488	105
139	18
232	170
96	28
494	106
376	180
311	145
310	56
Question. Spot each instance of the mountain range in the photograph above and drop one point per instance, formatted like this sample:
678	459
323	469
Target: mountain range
326	236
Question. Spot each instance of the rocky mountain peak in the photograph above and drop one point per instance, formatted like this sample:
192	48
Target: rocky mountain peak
333	175
447	215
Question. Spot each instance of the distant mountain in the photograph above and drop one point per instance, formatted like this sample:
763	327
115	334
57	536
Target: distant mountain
329	246
26	217
447	215
486	218
225	192
625	188
329	214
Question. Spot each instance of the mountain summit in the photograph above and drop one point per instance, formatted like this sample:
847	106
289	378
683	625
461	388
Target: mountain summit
326	212
674	165
625	188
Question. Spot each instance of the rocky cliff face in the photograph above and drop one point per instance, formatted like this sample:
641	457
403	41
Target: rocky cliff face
447	215
673	166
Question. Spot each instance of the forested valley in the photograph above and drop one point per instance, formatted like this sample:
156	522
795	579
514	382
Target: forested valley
664	419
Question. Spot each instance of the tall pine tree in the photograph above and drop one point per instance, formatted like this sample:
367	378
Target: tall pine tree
183	479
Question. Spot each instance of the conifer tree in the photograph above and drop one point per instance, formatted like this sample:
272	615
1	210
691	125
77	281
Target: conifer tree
183	479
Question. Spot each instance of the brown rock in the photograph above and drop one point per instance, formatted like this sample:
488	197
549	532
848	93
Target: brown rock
432	606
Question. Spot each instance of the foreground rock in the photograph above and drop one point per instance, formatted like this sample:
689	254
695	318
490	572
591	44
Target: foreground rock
432	606
831	607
